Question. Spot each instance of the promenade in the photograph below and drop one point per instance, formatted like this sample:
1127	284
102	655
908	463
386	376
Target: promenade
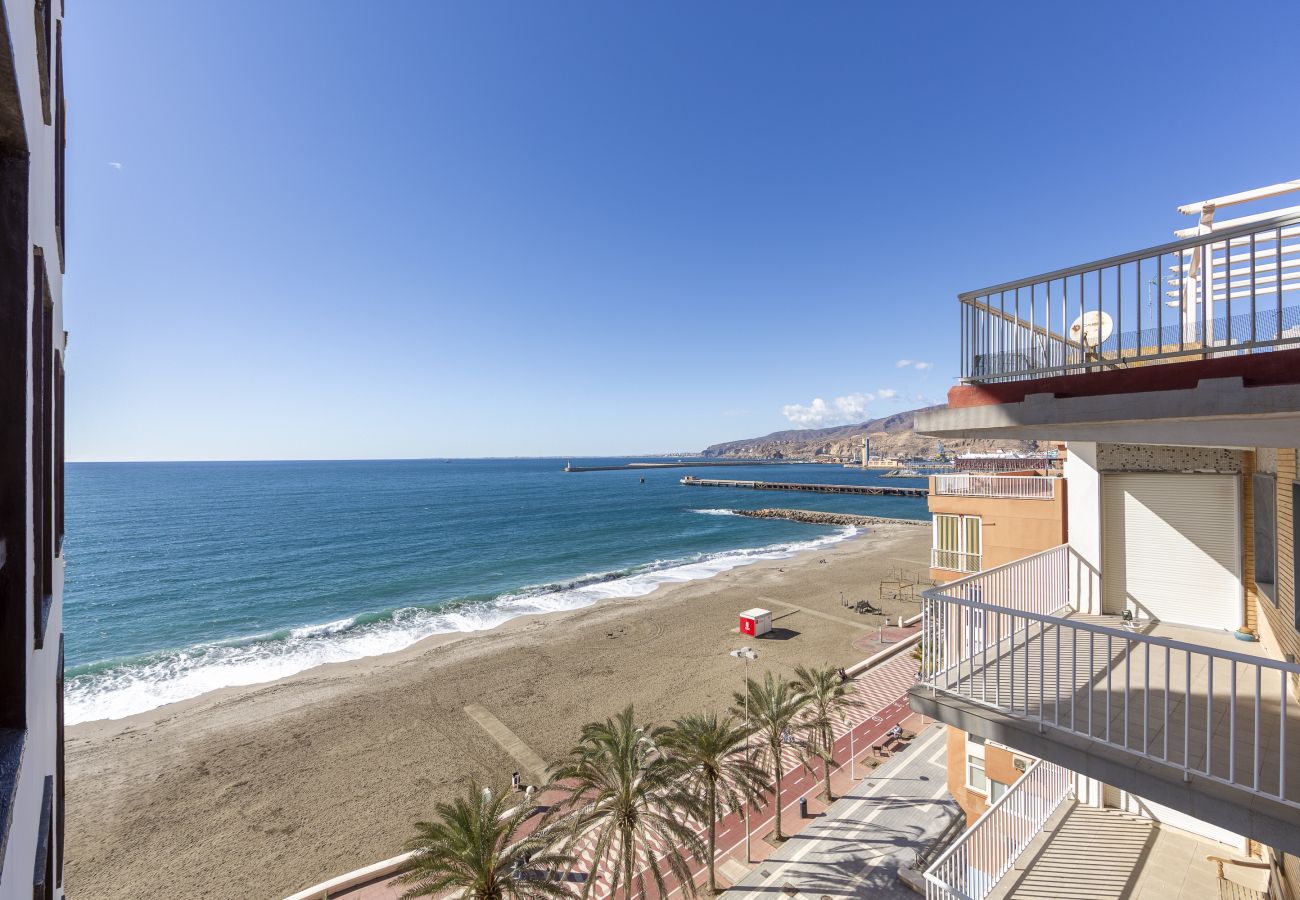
857	847
882	693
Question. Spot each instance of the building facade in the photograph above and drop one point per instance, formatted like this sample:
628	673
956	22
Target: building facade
32	344
983	521
1150	659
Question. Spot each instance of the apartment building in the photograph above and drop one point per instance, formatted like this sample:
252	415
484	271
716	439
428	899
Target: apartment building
32	343
981	520
1149	660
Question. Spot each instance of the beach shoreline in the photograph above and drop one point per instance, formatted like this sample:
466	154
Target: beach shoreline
114	693
350	753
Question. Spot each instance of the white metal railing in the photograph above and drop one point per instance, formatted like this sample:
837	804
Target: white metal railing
954	560
985	852
1002	639
1010	487
1232	290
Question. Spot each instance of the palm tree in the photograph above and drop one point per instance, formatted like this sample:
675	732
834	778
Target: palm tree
623	800
716	774
772	707
826	699
475	847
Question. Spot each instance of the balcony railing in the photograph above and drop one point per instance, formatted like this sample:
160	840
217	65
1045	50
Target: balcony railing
1010	487
954	560
977	861
1009	639
1222	293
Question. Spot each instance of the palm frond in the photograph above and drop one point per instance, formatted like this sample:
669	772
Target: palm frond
474	845
622	802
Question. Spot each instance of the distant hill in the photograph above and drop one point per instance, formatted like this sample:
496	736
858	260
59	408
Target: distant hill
891	436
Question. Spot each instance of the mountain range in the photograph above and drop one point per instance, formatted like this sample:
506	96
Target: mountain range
891	436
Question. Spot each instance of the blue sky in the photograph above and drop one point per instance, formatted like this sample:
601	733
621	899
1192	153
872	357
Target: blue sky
483	228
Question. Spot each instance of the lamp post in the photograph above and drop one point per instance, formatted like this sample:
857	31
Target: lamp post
746	655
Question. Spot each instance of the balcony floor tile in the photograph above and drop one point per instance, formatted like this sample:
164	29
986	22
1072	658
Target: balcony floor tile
1105	854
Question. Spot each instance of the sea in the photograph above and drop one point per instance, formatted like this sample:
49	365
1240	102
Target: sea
183	578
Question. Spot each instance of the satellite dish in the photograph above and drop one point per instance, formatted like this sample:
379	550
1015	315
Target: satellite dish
1092	328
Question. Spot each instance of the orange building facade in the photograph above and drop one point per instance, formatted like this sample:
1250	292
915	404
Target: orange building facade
981	522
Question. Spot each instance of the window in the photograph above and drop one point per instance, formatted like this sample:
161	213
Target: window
957	543
43	388
1265	507
976	778
15	360
996	790
60	141
43	873
43	10
58	454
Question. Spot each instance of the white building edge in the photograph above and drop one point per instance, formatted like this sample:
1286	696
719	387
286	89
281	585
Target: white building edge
32	343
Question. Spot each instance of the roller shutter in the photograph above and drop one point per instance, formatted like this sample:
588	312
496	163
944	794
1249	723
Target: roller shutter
1171	548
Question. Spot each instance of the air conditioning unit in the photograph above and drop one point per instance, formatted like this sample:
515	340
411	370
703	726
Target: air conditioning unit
1020	763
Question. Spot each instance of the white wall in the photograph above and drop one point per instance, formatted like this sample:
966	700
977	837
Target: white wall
41	752
1083	518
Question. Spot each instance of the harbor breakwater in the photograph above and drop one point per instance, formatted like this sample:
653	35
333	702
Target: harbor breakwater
813	517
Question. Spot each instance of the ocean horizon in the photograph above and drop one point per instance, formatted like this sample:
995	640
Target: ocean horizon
186	577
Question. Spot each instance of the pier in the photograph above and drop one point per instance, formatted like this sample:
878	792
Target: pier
678	464
875	489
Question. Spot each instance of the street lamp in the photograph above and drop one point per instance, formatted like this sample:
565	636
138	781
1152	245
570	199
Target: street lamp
746	655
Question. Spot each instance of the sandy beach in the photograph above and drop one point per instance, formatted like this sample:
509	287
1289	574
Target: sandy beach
261	791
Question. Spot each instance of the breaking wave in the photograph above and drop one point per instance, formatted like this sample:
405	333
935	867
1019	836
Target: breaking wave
124	687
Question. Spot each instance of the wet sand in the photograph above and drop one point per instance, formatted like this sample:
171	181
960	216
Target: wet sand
261	791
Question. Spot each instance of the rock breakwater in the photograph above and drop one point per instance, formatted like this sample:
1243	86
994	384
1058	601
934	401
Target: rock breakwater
813	517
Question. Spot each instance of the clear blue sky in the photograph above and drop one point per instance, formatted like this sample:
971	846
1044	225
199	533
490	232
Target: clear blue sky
297	230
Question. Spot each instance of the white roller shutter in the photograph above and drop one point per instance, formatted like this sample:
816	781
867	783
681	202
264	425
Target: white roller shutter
1171	548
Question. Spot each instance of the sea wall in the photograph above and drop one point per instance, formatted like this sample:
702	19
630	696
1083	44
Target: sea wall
813	517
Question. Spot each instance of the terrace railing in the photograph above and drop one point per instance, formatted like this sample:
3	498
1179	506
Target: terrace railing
1011	487
1221	293
954	560
1007	639
978	860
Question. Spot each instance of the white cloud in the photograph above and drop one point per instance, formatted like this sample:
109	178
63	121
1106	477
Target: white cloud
903	363
886	393
819	413
914	364
925	365
116	165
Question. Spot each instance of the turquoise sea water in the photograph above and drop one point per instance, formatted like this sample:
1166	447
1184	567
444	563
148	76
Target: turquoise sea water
186	577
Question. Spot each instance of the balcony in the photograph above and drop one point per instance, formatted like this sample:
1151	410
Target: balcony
1003	487
1186	717
1192	342
1037	843
974	864
1226	293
